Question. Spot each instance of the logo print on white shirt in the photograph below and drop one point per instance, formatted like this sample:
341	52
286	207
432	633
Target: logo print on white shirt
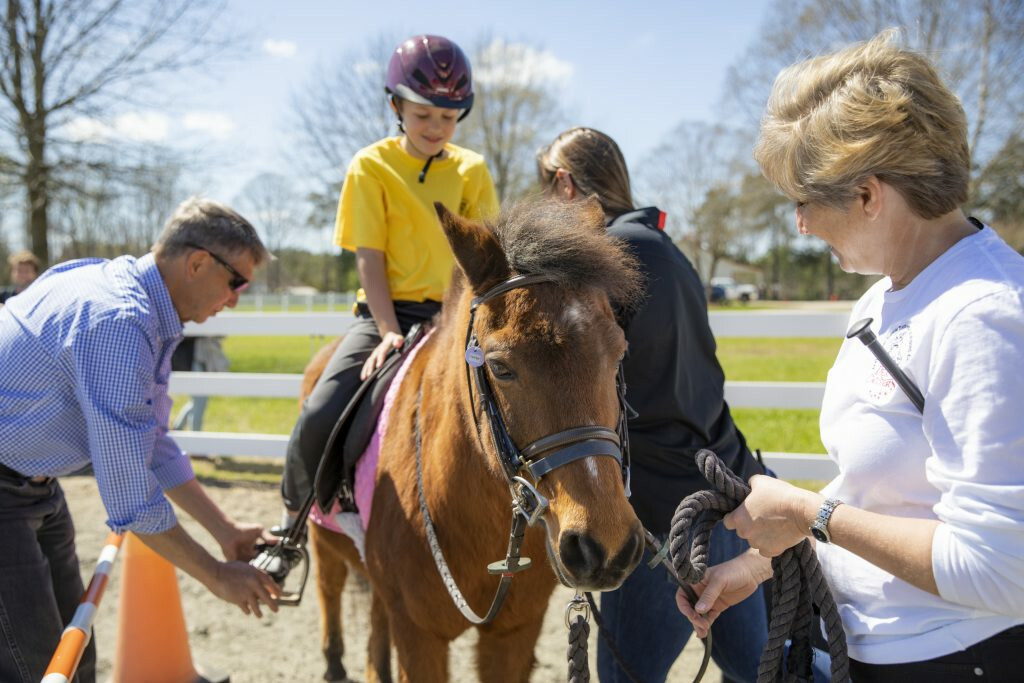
898	343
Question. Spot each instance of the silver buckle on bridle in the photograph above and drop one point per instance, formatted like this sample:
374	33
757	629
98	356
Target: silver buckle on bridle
523	492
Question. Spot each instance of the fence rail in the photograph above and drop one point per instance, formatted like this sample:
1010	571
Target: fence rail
724	324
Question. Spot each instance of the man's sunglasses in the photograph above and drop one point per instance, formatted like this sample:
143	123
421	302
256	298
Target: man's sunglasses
238	282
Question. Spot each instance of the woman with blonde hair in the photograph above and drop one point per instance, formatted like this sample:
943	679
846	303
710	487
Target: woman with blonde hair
921	535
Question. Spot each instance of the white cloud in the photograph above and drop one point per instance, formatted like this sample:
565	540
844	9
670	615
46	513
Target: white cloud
368	67
282	49
142	126
216	124
134	126
502	62
86	129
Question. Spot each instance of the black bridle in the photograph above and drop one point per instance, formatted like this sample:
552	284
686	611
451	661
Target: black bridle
547	453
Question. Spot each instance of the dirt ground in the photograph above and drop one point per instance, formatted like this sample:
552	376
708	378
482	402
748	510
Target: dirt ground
285	646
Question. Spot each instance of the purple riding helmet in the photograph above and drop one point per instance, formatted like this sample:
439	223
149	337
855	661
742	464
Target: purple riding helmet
431	70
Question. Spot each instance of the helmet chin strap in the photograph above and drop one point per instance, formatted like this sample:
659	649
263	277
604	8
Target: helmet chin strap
426	166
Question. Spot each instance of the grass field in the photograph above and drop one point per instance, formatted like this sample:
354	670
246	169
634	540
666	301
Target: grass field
753	359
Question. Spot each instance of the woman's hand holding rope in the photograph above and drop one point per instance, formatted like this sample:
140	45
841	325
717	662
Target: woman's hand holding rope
723	586
774	516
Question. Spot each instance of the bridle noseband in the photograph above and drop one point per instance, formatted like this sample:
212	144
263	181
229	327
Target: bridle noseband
524	468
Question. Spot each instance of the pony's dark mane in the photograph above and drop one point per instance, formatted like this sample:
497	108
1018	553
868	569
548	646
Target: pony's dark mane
569	243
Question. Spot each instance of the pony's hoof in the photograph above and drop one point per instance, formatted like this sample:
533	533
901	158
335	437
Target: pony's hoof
338	676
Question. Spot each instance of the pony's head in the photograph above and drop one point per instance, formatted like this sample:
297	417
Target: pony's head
546	352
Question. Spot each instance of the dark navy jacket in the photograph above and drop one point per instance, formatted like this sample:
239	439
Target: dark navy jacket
673	379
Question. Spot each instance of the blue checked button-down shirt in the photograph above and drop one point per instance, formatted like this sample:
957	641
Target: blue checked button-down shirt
85	356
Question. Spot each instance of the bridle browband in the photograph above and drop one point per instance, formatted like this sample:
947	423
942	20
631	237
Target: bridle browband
548	453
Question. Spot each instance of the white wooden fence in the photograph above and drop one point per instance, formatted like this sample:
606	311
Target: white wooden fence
273	385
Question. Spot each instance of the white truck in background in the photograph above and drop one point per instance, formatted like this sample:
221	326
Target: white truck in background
725	289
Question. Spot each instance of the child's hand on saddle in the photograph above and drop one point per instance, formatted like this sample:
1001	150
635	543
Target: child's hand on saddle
391	340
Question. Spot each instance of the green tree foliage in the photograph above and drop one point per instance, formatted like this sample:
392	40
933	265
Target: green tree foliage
1001	192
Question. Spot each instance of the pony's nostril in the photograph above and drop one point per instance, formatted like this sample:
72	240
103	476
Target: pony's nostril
580	553
629	555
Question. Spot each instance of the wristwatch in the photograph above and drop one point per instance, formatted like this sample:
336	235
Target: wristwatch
819	527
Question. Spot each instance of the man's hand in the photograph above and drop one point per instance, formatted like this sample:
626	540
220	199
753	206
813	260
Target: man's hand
724	585
245	586
391	340
240	542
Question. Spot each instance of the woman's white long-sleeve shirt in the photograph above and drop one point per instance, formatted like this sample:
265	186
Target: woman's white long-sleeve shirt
958	331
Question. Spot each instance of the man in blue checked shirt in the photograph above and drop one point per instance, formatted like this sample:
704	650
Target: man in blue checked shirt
84	362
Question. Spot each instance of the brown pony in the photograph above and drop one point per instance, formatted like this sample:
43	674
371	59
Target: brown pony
549	350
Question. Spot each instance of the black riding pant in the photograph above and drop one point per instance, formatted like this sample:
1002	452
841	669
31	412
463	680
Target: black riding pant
40	584
332	392
999	658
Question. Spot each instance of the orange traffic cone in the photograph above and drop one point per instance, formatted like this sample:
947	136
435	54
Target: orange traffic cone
152	642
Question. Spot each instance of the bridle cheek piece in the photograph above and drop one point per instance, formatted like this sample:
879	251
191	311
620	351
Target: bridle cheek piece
523	469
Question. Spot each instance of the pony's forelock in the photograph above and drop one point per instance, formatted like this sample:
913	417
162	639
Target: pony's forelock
556	238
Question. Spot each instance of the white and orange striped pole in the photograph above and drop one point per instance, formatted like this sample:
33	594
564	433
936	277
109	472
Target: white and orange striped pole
76	636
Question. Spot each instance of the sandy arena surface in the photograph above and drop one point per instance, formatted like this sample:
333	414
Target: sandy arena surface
285	646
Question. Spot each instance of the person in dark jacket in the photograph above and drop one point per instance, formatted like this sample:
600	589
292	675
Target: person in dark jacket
675	384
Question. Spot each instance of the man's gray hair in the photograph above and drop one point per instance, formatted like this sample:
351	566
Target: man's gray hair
209	224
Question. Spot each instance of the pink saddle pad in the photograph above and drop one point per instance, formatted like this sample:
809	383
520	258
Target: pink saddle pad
366	468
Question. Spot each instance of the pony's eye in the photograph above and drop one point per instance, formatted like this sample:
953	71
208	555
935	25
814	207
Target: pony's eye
500	370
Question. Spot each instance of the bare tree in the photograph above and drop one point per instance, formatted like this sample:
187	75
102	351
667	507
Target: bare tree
63	59
976	43
340	110
111	212
515	111
679	174
277	211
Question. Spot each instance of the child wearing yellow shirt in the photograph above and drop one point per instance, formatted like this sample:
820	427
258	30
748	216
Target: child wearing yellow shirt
386	216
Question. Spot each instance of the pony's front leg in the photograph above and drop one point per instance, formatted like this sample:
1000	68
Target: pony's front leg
506	655
422	656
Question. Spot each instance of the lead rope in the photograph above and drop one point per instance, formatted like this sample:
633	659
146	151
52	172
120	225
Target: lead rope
579	632
798	582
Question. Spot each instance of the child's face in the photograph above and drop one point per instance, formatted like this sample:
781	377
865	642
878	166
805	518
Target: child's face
427	129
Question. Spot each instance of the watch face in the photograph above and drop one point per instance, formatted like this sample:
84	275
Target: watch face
819	534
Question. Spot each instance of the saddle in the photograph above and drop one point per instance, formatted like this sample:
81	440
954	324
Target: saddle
335	475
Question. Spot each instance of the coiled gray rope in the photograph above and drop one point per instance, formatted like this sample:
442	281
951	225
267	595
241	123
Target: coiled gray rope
798	582
579	666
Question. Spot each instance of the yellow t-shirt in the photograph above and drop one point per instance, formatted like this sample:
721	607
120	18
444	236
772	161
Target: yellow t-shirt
384	206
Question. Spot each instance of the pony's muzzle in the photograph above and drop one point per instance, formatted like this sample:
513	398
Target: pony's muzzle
588	563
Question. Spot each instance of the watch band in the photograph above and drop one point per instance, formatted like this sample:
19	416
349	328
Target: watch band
819	527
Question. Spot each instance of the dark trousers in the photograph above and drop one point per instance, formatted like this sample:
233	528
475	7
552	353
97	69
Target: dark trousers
40	584
996	659
332	392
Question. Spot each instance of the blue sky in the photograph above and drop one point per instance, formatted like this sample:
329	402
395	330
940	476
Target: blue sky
636	69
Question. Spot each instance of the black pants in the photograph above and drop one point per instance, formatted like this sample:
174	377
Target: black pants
40	585
332	392
996	659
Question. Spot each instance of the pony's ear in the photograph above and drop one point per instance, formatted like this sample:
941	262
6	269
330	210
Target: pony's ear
476	250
